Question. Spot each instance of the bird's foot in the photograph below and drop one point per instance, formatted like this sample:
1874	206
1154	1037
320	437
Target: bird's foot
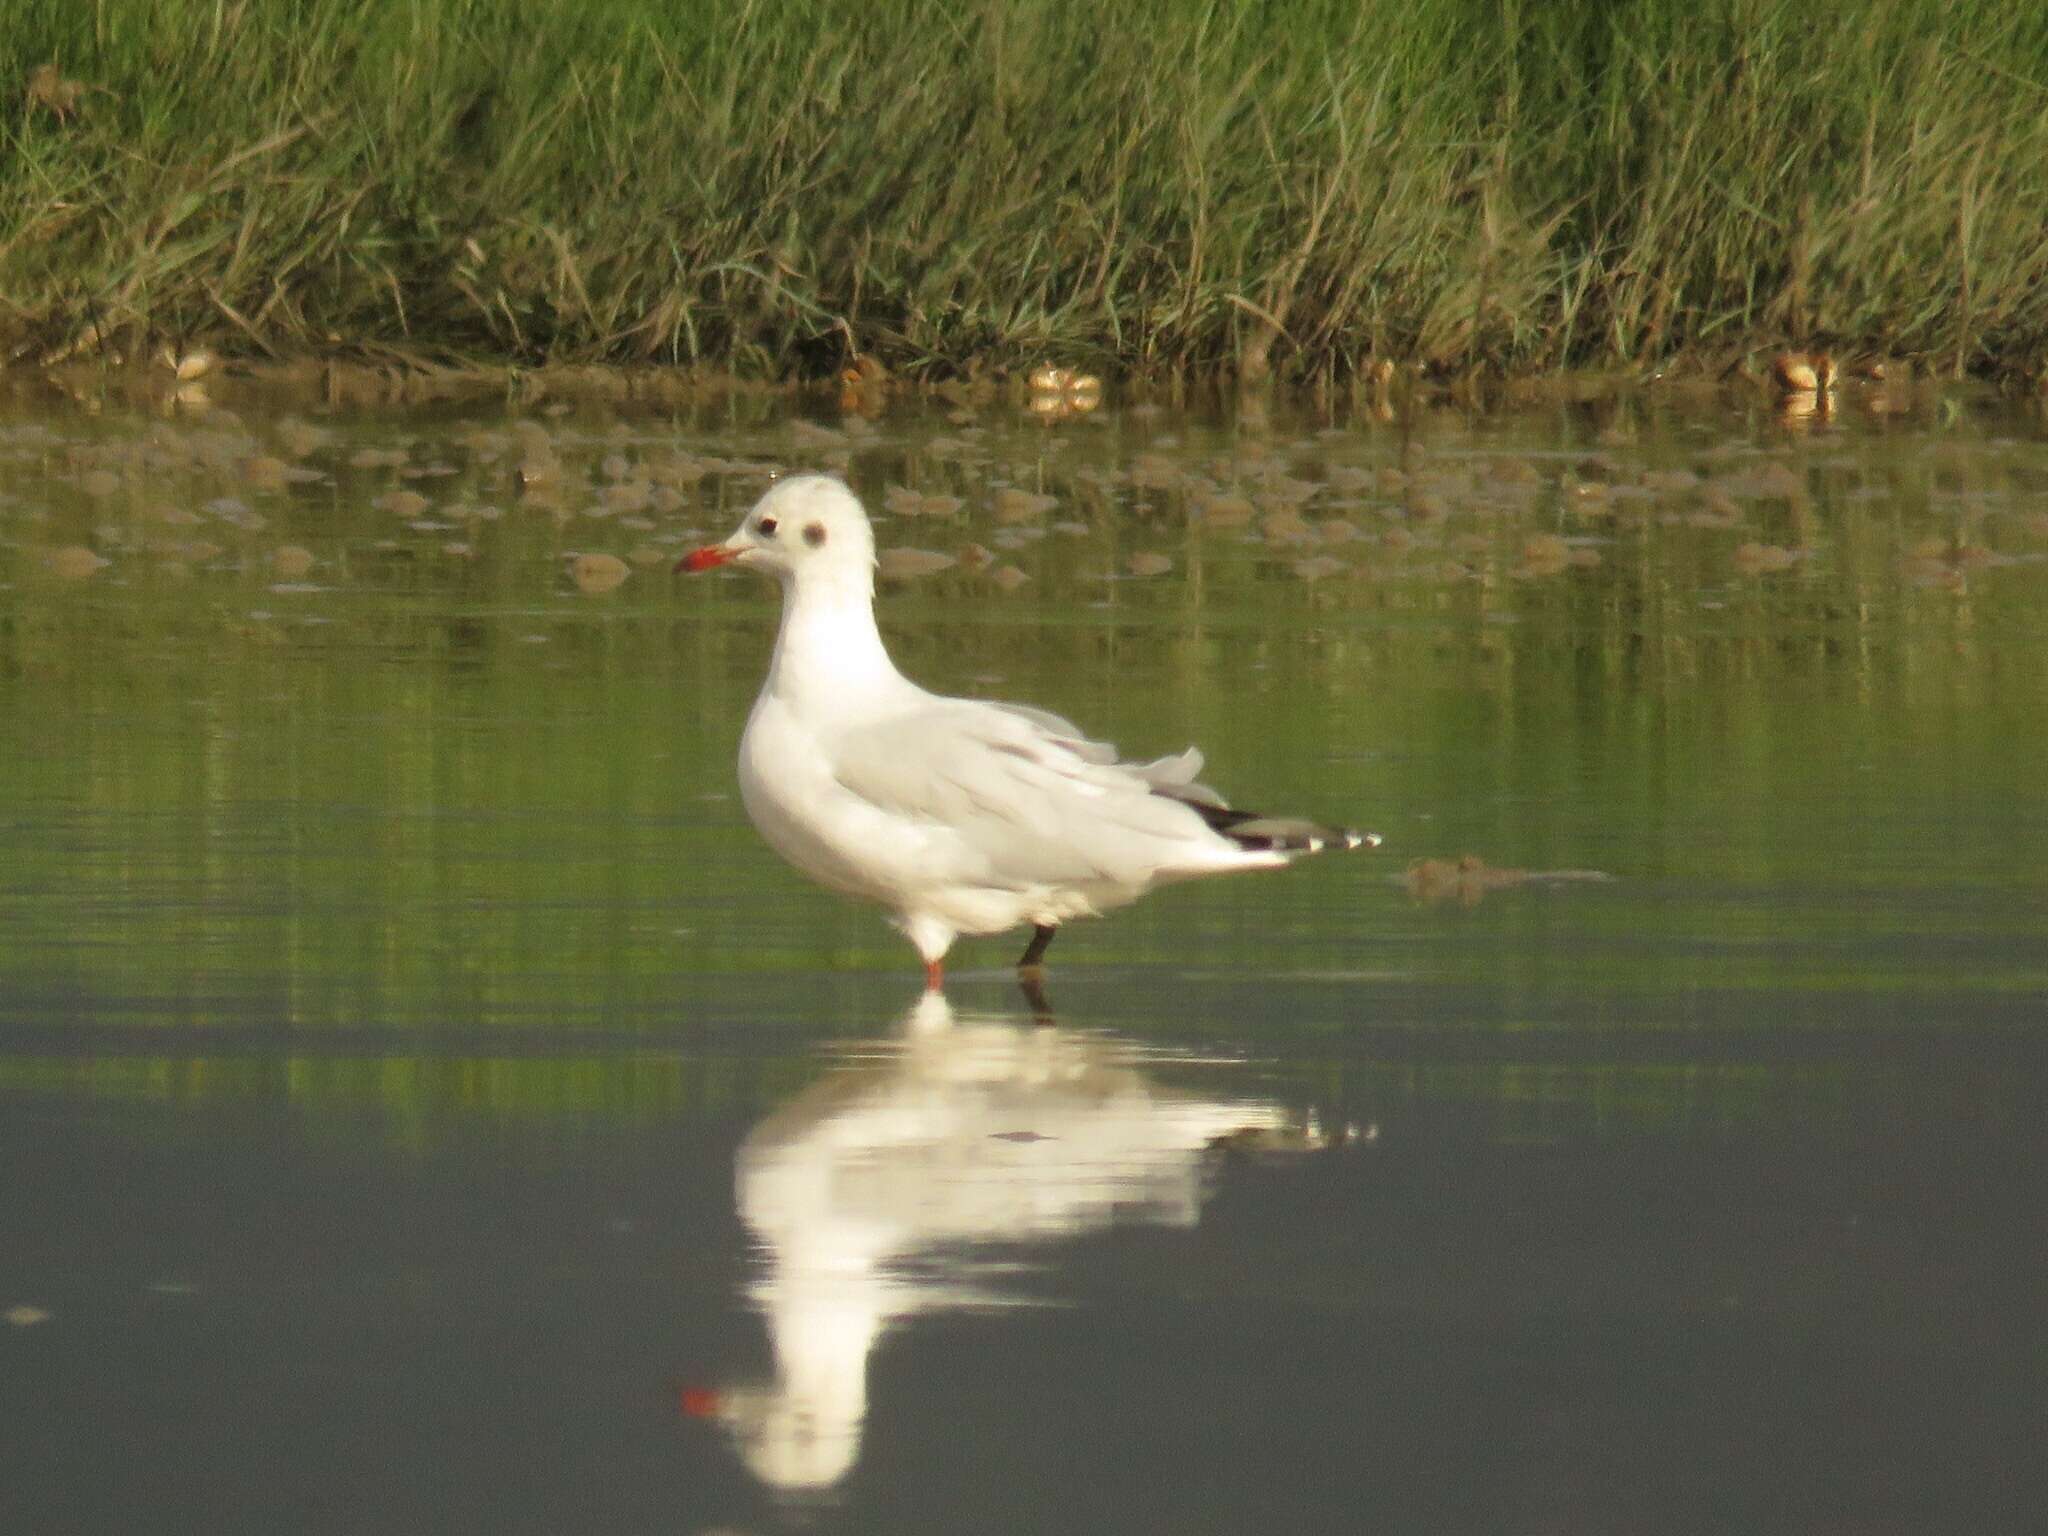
1031	982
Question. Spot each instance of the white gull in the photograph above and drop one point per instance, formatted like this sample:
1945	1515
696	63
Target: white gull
958	816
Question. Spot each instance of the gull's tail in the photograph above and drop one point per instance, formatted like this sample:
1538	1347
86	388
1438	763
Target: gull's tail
1280	834
1174	779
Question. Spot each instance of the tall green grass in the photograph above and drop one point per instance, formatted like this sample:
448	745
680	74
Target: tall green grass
1154	185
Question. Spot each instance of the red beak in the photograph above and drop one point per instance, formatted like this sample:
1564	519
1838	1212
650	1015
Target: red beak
699	1402
704	559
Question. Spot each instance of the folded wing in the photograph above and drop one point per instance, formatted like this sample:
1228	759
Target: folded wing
1018	798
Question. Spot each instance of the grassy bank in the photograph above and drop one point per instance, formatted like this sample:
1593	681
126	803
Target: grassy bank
1160	185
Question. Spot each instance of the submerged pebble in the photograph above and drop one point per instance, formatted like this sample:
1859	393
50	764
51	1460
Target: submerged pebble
599	572
401	503
901	564
1753	559
1319	568
74	562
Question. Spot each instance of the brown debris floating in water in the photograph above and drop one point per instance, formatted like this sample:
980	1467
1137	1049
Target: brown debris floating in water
1012	505
1467	880
1319	568
901	564
401	503
74	562
905	502
1543	554
1465	516
1223	511
1754	559
598	573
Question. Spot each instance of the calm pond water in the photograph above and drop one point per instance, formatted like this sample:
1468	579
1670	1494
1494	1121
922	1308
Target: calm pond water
425	1105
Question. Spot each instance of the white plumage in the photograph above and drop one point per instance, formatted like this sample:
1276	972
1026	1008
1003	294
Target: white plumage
956	815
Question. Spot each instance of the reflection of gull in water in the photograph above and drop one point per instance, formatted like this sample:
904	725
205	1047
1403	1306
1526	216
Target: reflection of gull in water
870	1192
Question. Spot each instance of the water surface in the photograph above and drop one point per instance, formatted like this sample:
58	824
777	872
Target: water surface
426	1105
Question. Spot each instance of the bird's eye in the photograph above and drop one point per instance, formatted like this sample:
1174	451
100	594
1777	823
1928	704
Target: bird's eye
765	527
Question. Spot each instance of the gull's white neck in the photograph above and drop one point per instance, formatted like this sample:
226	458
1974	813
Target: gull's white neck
828	652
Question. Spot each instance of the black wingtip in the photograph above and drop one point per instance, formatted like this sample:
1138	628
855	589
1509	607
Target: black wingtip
1256	833
1275	834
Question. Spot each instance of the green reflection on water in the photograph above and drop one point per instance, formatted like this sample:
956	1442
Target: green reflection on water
419	1100
1784	683
415	1098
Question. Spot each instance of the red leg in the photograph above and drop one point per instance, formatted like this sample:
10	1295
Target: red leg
934	976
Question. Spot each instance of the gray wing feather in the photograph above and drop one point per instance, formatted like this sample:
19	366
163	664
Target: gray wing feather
1017	797
1173	776
1060	729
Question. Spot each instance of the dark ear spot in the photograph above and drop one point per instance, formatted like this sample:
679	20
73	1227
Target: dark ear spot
814	534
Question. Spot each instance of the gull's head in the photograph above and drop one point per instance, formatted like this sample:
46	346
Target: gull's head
805	527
